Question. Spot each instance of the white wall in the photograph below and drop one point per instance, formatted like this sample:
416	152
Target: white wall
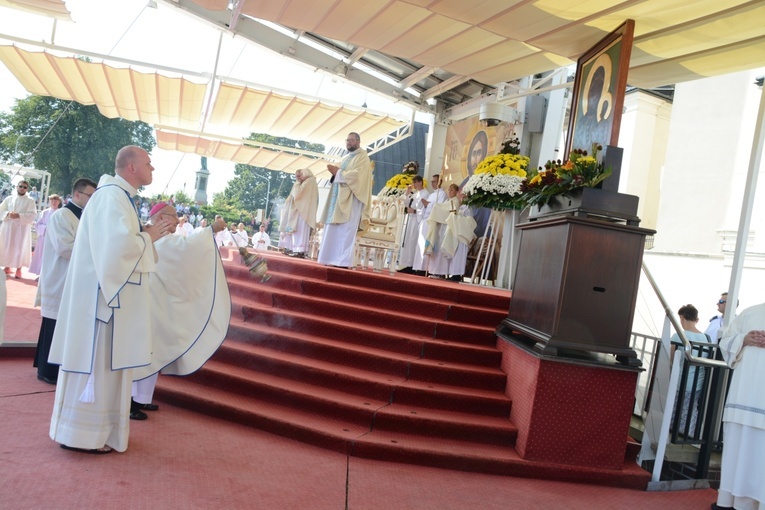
643	135
700	197
710	139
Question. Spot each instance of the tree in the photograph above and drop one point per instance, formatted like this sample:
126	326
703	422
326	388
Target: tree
250	186
180	197
81	143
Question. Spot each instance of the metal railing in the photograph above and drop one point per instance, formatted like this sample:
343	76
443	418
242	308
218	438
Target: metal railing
702	387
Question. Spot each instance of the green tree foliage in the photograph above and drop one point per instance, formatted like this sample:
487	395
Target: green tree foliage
181	197
230	213
250	186
83	142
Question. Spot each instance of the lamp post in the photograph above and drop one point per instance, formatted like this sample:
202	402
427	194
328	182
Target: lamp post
16	147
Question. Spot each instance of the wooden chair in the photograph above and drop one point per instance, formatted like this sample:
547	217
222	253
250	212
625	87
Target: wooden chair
382	236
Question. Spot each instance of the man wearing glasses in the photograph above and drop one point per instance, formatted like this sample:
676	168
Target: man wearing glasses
17	213
715	323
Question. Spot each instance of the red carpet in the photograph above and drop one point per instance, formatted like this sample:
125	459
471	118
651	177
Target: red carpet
398	368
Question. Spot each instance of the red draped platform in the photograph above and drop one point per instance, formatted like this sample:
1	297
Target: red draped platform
573	411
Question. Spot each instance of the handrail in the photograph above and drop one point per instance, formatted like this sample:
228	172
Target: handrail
687	347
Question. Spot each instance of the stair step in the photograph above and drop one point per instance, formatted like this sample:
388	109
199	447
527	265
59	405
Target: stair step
486	458
364	334
333	404
373	356
468	427
398	368
359	381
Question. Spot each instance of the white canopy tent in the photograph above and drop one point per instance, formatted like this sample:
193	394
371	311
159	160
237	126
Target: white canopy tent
442	56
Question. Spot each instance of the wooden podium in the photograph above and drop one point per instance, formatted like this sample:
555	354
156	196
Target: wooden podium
576	285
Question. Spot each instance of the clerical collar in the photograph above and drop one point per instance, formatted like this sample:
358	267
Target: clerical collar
76	209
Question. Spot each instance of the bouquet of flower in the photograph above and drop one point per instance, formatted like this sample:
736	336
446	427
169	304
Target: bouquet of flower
557	178
497	180
396	185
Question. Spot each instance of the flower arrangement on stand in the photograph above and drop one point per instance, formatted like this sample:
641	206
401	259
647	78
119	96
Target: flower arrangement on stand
396	185
497	180
558	178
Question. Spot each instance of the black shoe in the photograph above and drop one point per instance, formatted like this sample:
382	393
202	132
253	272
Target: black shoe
45	379
138	415
419	273
455	278
144	407
406	270
715	506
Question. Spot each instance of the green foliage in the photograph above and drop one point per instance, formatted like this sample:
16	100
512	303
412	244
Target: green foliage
230	213
181	197
83	142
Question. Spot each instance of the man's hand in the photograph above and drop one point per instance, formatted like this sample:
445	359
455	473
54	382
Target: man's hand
332	169
14	215
218	225
424	202
161	229
755	338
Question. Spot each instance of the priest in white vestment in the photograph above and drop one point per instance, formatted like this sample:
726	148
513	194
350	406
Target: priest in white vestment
742	479
451	231
347	208
17	213
104	329
421	257
184	227
261	240
240	236
55	202
413	197
189	282
298	216
61	232
224	237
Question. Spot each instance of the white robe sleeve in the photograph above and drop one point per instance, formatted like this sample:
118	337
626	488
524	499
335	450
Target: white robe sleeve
190	304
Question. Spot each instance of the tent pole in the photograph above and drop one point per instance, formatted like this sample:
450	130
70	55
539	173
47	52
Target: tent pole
746	211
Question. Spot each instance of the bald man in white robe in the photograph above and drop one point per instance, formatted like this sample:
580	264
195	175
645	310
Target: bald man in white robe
103	329
347	206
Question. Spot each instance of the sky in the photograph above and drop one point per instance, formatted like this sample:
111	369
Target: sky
165	35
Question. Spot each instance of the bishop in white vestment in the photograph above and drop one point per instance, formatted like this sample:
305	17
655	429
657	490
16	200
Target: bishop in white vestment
189	283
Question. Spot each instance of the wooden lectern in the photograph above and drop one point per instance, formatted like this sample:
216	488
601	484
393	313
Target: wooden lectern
576	286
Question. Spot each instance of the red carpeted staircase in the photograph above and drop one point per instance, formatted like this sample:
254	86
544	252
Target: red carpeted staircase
400	368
